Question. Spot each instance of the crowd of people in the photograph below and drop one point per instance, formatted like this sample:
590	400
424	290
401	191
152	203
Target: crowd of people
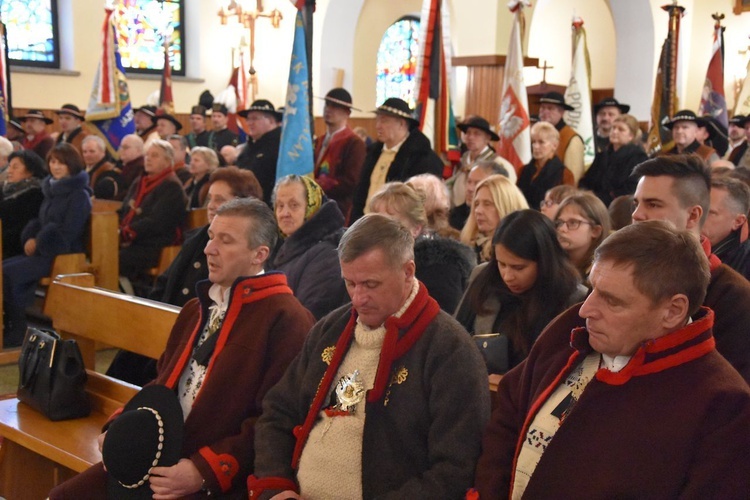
337	330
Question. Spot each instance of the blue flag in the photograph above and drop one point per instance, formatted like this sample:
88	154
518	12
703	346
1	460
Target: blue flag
296	148
110	111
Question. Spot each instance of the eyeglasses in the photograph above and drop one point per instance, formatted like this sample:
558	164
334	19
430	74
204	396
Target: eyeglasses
572	224
546	204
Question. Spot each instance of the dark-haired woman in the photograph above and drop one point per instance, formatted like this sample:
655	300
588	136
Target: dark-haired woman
58	229
526	283
21	198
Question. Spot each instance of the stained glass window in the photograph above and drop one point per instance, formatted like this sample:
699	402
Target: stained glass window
397	61
32	32
142	26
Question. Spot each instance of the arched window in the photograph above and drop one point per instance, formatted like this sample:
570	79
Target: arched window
141	27
33	37
397	61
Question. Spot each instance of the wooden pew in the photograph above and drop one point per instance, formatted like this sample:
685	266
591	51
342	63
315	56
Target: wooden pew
37	454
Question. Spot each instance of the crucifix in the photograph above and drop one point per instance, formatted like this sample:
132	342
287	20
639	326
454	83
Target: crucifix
544	69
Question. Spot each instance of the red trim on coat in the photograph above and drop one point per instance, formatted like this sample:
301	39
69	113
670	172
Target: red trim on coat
256	487
225	466
713	261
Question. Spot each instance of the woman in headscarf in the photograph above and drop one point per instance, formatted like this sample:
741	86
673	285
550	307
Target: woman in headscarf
311	226
21	198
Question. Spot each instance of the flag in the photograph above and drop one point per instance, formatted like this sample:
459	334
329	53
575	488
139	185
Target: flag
166	101
713	101
433	81
243	99
664	103
6	110
110	111
515	136
296	149
578	93
742	106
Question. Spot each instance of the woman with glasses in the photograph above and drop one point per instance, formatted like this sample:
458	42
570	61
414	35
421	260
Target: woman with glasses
527	282
553	197
582	223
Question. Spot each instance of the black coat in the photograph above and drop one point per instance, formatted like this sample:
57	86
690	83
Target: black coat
534	189
414	157
609	175
732	252
177	284
260	158
15	212
444	267
311	263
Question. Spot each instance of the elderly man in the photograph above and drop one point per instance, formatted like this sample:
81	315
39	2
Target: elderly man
570	149
262	148
37	139
727	215
605	112
635	404
130	160
104	177
180	145
198	135
71	119
402	151
167	126
220	134
340	152
247	327
389	396
684	126
677	188
145	123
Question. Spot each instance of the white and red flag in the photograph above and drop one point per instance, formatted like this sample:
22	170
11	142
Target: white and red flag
713	101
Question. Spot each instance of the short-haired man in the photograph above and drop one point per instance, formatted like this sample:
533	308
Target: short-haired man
684	126
180	145
220	134
388	398
104	176
727	215
261	151
340	152
605	112
130	161
35	126
677	188
570	149
740	156
635	404
402	151
246	327
198	135
71	119
737	139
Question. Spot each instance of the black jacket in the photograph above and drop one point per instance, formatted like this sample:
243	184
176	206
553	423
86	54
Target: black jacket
734	253
444	266
609	175
177	285
260	158
16	211
414	157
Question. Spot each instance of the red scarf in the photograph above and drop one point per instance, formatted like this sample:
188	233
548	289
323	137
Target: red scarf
147	184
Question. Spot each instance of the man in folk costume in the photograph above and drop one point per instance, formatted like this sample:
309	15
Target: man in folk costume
145	124
740	155
228	347
389	395
340	152
605	112
736	136
261	152
37	139
220	135
71	129
198	135
684	126
570	150
635	404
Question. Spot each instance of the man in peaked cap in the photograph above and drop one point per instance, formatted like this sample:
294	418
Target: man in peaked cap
605	112
570	149
737	139
684	126
340	152
220	134
402	151
35	126
261	151
71	129
198	135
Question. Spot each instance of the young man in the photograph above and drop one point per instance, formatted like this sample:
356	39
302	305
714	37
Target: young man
220	135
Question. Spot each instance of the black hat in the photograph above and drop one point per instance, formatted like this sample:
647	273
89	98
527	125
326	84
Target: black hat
479	123
739	120
218	107
611	101
167	116
339	97
262	106
72	110
717	134
147	110
16	124
393	106
555	98
685	115
206	99
35	113
148	433
198	110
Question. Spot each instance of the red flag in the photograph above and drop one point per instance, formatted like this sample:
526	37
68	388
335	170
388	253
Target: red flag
713	101
166	101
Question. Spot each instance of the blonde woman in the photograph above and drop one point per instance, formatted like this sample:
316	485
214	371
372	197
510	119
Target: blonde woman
494	198
436	204
545	170
203	161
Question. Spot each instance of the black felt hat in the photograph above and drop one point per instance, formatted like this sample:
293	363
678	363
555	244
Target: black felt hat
72	110
16	124
611	101
479	123
393	106
717	134
685	115
148	110
167	116
198	110
35	113
339	97
555	98
262	106
148	433
739	120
